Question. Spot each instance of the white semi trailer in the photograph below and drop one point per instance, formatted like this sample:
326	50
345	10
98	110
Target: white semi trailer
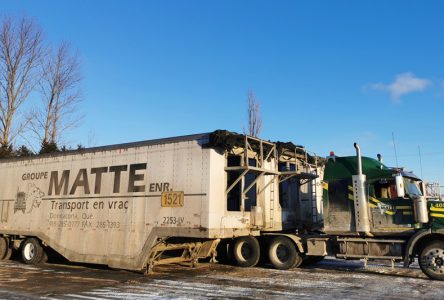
133	206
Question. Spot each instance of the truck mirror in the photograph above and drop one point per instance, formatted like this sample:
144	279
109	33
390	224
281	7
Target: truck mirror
400	186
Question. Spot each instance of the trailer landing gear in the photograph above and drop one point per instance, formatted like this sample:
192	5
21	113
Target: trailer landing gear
189	253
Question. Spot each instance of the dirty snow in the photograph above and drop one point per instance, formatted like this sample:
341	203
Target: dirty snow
328	279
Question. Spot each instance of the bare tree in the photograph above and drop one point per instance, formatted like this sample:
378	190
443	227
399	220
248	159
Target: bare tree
254	117
60	95
21	52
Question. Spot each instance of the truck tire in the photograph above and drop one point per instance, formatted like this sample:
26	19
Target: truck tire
3	248
431	260
32	251
246	251
283	254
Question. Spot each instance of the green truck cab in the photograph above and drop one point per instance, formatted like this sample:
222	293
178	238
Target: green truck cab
372	211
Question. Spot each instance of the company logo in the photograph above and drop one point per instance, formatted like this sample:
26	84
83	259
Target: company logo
33	198
386	208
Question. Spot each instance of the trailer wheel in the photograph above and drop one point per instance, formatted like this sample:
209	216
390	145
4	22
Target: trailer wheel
32	251
283	254
246	251
3	248
431	260
8	254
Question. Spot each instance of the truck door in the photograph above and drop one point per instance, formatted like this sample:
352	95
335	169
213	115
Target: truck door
389	212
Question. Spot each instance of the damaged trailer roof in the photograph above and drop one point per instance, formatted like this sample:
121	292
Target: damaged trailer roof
228	140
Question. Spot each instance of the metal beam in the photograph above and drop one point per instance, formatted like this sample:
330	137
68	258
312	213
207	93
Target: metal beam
236	181
270	182
253	183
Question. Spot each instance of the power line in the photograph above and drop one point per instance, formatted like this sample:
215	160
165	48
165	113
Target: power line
420	160
394	147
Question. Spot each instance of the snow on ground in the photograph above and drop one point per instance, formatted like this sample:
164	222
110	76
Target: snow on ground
329	279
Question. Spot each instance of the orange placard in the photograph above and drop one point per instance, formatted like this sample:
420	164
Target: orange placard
172	199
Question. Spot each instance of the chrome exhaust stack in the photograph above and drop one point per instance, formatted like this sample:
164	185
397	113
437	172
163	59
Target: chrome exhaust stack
420	209
360	197
358	155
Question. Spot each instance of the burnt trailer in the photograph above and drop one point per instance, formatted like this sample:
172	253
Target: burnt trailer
137	205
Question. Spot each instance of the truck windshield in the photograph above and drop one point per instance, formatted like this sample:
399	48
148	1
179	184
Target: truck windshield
412	187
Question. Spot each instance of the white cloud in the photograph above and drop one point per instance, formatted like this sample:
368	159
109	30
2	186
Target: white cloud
404	84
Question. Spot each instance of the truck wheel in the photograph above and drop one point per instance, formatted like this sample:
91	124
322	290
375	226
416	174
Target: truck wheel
246	251
32	252
431	260
3	248
283	254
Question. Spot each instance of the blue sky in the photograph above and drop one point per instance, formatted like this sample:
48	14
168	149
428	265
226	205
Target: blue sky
327	73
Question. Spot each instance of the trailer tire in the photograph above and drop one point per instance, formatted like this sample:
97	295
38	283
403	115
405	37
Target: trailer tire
283	254
431	260
3	248
8	254
32	251
246	251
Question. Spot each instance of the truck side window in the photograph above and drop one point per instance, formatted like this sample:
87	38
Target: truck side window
385	189
392	190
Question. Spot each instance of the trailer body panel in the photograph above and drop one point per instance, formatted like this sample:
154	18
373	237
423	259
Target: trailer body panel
110	205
